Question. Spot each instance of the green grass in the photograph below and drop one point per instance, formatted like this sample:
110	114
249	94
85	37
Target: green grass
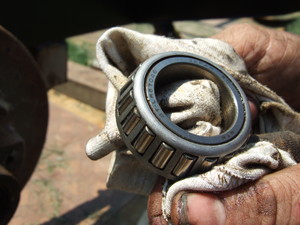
81	54
51	160
51	194
294	26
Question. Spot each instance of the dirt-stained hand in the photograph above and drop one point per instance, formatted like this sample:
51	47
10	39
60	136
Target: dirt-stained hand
273	58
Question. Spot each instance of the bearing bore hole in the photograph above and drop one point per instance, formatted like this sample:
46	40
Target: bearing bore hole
191	98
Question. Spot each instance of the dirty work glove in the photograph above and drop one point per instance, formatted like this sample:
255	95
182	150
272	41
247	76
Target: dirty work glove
120	51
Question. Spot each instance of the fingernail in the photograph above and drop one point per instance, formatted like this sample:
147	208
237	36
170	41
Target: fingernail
202	208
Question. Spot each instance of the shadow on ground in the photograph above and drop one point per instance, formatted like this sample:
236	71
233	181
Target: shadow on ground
110	207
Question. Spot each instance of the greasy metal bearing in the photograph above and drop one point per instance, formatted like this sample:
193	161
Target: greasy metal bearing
163	146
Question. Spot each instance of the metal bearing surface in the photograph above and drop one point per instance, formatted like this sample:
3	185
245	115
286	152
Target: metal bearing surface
161	145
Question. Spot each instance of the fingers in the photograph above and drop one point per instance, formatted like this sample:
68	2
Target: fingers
275	199
249	41
155	205
253	109
190	204
271	56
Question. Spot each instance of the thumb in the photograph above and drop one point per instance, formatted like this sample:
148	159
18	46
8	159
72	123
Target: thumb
274	199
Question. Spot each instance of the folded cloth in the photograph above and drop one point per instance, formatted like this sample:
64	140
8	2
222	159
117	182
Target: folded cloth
120	51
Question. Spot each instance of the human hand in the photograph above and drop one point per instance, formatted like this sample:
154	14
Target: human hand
275	198
271	56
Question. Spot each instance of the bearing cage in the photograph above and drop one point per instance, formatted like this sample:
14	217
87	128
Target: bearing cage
163	146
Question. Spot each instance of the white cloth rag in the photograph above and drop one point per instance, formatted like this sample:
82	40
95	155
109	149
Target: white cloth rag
120	51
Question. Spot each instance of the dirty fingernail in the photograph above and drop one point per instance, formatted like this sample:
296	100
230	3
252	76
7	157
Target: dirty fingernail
202	208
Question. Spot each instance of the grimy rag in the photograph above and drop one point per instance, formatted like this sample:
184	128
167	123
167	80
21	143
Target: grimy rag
119	53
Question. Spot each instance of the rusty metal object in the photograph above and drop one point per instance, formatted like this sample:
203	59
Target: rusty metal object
23	117
11	145
9	195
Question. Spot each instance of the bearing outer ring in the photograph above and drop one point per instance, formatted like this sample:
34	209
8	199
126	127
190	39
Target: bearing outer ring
160	144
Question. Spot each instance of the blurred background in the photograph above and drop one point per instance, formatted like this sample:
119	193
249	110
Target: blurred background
52	98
